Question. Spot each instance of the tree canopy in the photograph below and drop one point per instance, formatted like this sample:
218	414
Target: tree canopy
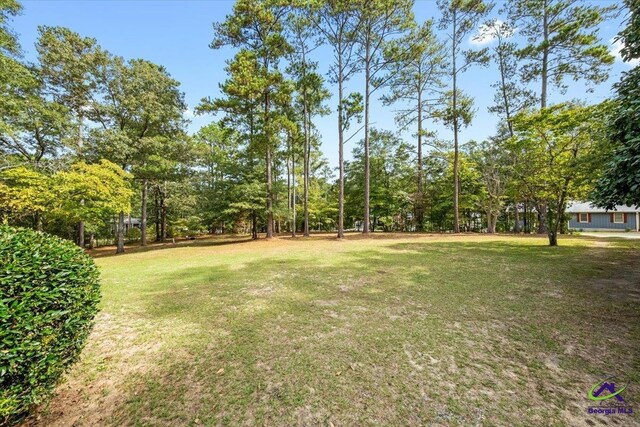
90	139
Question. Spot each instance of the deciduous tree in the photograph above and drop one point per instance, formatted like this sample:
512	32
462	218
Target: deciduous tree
559	155
620	183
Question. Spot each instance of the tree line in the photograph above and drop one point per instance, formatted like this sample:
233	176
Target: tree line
89	139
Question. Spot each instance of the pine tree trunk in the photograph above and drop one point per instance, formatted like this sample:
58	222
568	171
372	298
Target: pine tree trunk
157	215
545	57
557	217
367	172
306	151
254	225
505	95
419	210
81	229
542	225
268	160
289	180
120	237
516	218
163	218
143	220
340	151
80	144
456	183
306	190
81	234
269	196
293	194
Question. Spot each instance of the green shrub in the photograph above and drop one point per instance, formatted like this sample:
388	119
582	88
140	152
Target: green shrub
133	233
49	292
189	226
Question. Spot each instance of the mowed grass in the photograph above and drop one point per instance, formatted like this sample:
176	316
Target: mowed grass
389	330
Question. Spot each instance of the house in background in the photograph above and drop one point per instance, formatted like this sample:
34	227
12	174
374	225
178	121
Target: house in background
585	216
129	223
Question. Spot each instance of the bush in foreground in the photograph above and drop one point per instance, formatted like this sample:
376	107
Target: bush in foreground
49	292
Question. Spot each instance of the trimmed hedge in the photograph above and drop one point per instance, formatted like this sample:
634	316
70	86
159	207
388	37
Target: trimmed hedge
49	292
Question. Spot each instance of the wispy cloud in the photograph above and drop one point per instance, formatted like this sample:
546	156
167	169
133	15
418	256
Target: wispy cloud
616	48
487	33
188	113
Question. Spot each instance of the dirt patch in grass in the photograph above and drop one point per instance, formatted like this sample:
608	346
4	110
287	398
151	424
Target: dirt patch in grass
97	386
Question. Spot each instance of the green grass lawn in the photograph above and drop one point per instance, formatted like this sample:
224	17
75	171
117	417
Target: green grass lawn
389	330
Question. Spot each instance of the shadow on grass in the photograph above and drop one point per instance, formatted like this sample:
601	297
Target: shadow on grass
109	251
445	271
227	239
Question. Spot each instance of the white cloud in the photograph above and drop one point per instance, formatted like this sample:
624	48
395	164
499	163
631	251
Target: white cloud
487	33
188	113
616	47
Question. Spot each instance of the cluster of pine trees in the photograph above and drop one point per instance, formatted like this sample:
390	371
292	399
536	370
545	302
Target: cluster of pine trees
81	114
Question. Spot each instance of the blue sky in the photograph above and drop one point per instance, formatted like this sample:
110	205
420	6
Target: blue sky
176	34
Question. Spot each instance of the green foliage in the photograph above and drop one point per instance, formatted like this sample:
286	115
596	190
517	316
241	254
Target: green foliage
417	64
264	144
8	41
92	192
132	233
49	292
85	192
492	162
439	191
31	125
558	154
392	180
563	41
24	191
459	114
511	95
630	35
257	29
141	117
620	183
188	226
69	64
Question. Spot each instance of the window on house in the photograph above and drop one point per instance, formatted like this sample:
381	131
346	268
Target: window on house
584	217
618	217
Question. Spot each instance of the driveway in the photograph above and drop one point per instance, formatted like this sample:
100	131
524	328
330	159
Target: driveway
622	234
